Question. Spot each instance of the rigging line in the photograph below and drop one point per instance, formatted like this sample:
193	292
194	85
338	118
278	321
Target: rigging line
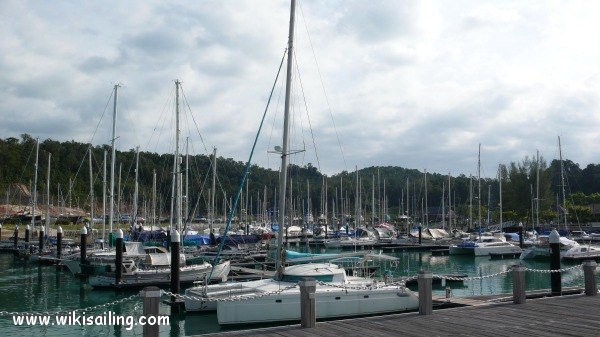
194	120
162	117
102	117
307	114
246	171
324	91
273	122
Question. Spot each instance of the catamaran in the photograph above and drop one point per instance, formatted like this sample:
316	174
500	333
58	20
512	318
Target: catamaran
278	299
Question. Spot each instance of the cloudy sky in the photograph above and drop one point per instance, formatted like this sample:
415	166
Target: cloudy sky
417	84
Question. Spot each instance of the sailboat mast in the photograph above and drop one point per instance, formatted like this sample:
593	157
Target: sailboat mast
177	160
426	204
562	178
500	192
35	178
111	195
104	199
136	186
213	190
284	150
91	188
47	196
537	187
479	187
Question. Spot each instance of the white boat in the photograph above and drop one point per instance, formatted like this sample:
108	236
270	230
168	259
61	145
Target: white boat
278	299
582	252
336	296
541	248
351	241
134	277
485	245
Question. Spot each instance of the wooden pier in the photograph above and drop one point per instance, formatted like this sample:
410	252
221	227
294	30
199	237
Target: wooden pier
574	315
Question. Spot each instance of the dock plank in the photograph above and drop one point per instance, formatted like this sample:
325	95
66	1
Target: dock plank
574	315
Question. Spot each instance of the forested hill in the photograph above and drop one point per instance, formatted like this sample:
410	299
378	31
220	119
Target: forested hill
69	163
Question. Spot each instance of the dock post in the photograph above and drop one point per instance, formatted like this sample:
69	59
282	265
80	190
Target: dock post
59	235
119	257
16	237
0	232
27	234
175	239
555	278
589	270
518	275
41	248
151	299
521	239
83	250
424	281
420	234
308	305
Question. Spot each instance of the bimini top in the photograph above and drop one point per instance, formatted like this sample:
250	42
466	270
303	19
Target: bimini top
325	272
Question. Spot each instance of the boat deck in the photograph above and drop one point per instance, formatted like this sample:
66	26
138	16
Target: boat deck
574	315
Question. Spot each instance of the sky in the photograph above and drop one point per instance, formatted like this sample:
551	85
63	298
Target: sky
416	84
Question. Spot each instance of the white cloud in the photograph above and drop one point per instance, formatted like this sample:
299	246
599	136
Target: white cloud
413	84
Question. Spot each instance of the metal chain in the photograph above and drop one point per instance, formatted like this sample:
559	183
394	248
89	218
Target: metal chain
367	287
67	312
472	278
554	270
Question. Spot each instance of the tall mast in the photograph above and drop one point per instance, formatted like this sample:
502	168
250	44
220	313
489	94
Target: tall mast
47	196
136	186
35	178
284	150
449	203
111	195
153	200
426	204
562	178
213	189
91	188
500	188
104	199
537	187
177	160
470	201
443	206
479	187
187	179
356	201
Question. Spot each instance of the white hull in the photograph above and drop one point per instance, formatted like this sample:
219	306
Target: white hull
504	249
330	303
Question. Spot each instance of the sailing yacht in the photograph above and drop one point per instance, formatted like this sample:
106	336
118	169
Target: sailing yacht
278	299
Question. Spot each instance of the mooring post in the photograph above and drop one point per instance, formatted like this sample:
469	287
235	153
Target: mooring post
0	232
589	271
424	282
308	304
555	278
119	257
59	235
420	234
518	275
16	237
41	248
151	299
175	239
521	239
83	250
27	234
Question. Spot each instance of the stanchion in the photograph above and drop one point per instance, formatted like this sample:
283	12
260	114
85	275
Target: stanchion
518	275
589	271
151	300
555	278
119	257
424	282
308	306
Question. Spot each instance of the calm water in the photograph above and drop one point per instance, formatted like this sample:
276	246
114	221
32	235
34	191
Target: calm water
29	287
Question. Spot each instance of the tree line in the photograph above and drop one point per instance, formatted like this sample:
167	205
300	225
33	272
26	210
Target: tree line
530	188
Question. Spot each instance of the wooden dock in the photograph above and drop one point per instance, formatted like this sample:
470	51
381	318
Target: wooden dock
574	315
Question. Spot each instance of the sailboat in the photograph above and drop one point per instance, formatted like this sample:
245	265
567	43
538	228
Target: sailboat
278	299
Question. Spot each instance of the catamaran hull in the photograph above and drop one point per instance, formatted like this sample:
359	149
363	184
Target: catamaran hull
329	304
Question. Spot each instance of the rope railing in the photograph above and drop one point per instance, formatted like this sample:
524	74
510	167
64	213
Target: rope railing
233	294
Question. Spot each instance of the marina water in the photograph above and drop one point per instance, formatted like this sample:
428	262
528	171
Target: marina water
28	287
